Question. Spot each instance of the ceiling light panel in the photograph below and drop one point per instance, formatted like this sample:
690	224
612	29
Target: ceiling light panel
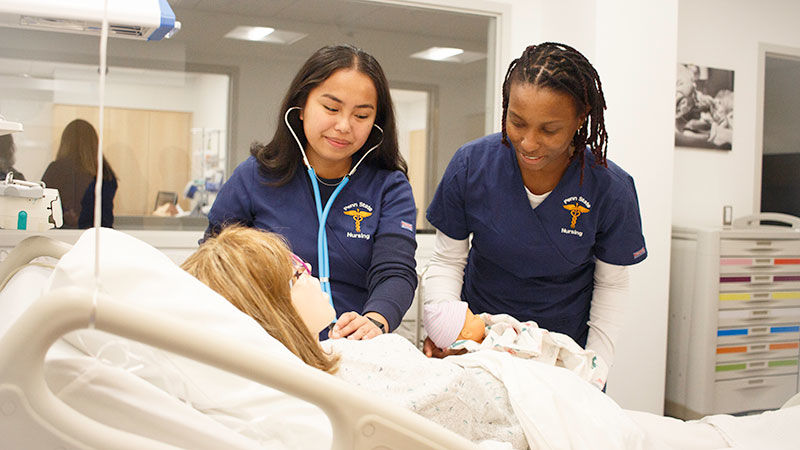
265	34
449	54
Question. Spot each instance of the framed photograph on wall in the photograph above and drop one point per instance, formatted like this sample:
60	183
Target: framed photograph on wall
704	107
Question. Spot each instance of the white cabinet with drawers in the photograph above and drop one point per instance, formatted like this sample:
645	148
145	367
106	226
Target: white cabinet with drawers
734	317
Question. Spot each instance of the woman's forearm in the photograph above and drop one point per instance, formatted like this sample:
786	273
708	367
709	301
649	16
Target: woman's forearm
444	276
609	305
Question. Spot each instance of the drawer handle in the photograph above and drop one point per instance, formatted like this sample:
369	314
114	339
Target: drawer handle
759	330
760	297
759	314
761	301
757	348
756	365
761	279
755	383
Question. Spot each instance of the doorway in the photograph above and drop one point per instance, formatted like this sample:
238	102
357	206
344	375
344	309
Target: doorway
780	159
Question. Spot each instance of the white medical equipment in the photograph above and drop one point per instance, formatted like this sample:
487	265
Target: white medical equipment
150	20
8	127
33	417
25	205
323	262
734	328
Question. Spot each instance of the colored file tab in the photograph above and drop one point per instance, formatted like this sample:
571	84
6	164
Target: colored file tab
734	279
784	346
782	261
740	349
784	363
732	332
793	329
727	367
785	295
735	296
736	261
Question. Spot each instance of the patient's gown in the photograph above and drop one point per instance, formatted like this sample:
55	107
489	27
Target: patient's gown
468	401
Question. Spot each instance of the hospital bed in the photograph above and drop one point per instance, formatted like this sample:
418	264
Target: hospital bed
32	416
63	383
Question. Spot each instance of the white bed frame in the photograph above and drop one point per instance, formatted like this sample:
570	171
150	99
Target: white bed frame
31	416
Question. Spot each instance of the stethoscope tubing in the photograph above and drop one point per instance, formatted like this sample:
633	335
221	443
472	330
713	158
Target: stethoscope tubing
323	260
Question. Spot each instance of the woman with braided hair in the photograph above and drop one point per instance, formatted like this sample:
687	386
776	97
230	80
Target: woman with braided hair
553	222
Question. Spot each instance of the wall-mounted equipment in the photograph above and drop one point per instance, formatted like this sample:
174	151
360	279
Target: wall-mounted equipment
150	20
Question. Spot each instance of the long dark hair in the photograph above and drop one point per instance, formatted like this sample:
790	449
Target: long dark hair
564	69
79	143
7	150
281	157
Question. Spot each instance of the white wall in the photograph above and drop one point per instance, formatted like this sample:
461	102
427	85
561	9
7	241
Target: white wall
726	34
635	56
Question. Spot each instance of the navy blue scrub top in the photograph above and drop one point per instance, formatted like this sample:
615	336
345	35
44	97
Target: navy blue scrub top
372	265
536	264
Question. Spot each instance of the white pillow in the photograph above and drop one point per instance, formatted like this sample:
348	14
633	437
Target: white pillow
132	271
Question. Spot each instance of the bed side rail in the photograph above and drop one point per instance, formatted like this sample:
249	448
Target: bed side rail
358	421
27	250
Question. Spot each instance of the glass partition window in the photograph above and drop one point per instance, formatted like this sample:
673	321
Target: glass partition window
182	113
150	119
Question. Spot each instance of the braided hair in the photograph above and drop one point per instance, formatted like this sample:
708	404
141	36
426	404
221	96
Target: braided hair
562	68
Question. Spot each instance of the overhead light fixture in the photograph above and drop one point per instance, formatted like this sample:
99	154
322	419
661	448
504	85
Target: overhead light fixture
448	54
438	53
259	33
265	34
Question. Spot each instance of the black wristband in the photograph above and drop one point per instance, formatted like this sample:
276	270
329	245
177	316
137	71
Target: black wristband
378	324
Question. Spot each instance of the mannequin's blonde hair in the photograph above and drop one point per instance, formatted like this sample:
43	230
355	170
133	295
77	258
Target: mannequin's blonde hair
252	268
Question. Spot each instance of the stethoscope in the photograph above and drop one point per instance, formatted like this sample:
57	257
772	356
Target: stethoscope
323	261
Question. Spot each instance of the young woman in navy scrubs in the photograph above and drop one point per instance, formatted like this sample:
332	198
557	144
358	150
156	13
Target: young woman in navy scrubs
339	106
554	224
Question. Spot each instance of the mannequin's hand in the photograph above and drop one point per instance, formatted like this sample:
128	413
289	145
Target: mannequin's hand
431	351
354	326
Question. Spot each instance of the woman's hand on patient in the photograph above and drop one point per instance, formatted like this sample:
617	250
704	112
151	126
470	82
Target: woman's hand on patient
354	326
432	351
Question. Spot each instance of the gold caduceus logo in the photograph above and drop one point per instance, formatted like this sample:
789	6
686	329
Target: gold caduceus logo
575	211
359	215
